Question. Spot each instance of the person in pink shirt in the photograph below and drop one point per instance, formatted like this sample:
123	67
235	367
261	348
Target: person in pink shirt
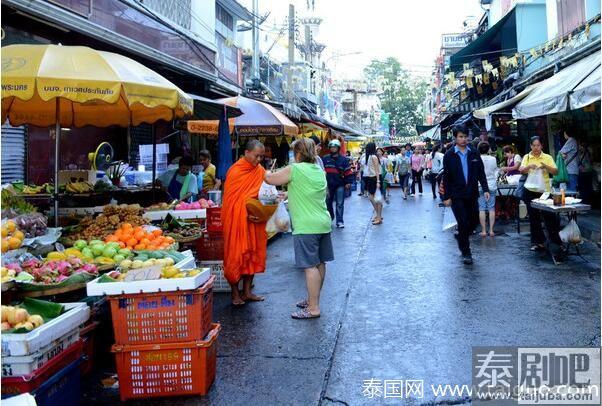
417	162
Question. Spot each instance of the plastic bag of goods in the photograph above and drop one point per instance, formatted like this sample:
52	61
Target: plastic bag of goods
378	196
535	181
570	233
449	220
280	221
268	194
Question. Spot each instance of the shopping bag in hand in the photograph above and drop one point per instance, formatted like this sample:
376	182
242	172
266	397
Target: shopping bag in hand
571	233
535	181
449	220
268	194
378	196
280	221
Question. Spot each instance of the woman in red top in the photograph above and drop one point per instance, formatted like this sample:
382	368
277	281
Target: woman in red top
417	162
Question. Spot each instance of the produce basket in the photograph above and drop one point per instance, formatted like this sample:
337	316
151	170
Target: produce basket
28	343
14	385
184	240
220	284
162	317
64	388
176	369
28	364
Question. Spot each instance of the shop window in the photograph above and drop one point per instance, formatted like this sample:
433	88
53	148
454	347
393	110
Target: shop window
224	17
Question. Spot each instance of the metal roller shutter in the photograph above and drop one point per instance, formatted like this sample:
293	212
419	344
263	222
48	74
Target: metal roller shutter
13	153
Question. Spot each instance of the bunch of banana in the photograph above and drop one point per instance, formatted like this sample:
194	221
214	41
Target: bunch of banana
33	190
79	187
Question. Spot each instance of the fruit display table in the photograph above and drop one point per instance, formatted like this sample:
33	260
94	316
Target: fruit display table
158	215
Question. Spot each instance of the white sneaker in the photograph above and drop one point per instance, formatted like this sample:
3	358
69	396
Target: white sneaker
340	225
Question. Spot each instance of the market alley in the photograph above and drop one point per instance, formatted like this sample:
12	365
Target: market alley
397	304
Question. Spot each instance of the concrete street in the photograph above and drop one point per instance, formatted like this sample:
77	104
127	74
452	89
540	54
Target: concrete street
397	304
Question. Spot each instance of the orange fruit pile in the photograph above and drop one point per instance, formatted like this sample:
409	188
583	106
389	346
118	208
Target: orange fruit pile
137	239
12	238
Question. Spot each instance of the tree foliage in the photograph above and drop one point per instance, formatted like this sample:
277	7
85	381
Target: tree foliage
401	94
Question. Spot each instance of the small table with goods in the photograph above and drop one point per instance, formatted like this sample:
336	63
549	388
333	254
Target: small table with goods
506	191
572	208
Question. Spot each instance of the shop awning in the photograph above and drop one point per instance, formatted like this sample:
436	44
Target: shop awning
502	36
207	109
554	94
433	133
485	112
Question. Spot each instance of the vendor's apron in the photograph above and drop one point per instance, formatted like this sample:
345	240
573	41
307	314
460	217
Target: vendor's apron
175	188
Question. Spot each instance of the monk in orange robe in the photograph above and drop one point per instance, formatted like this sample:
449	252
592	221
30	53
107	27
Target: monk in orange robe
245	241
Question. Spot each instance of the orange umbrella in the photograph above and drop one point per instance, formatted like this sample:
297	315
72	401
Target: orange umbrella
258	119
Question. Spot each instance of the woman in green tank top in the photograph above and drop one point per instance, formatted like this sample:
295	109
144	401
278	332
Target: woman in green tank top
310	220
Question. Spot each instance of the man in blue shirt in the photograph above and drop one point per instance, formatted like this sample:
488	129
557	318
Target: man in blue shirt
463	170
339	176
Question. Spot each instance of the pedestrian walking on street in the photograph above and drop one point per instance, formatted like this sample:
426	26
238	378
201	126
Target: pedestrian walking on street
372	180
384	186
436	169
310	220
339	177
488	205
586	172
417	161
534	161
403	166
361	165
462	173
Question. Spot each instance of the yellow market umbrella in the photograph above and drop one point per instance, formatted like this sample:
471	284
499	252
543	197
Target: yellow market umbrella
83	86
68	86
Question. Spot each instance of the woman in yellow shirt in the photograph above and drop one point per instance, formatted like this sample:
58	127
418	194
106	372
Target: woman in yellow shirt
537	159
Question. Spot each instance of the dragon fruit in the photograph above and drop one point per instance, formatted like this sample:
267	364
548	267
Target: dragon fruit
14	266
61	278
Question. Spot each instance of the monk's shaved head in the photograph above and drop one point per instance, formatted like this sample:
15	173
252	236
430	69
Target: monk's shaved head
252	144
254	152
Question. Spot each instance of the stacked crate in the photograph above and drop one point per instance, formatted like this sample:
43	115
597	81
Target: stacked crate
46	361
210	249
166	344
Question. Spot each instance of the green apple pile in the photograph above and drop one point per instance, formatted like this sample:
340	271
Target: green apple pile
101	252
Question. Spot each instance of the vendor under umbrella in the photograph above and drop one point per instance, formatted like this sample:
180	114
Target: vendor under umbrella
180	183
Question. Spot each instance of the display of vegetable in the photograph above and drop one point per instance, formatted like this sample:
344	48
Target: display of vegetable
112	218
148	272
100	252
33	224
139	239
14	205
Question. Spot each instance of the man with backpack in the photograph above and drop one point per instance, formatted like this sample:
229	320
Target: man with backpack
339	176
403	165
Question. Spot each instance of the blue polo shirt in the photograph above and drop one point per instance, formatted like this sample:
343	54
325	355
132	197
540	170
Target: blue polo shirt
464	160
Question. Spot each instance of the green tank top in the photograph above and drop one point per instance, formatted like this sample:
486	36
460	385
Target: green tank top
307	199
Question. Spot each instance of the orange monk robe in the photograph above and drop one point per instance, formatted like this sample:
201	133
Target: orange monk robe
245	242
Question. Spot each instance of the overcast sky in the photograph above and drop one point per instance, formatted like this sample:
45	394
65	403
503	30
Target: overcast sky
407	29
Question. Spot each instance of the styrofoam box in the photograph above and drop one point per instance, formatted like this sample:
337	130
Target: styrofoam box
188	263
151	286
27	364
157	215
24	344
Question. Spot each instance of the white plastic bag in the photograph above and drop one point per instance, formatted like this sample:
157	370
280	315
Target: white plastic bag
280	221
268	194
449	220
389	178
570	233
378	197
535	181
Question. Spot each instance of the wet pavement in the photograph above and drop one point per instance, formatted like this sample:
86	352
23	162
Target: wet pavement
397	304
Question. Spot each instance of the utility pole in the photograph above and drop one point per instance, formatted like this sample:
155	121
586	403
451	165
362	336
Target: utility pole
308	55
291	51
255	60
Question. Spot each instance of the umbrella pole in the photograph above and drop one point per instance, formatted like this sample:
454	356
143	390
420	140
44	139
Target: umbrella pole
57	138
154	161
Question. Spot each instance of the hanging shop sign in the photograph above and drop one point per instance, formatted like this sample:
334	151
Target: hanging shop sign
458	40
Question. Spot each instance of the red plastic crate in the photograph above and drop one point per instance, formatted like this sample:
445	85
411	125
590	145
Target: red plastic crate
214	220
210	247
15	385
175	369
88	337
164	317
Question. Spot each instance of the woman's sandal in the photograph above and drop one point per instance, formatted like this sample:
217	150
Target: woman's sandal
538	247
302	304
304	314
